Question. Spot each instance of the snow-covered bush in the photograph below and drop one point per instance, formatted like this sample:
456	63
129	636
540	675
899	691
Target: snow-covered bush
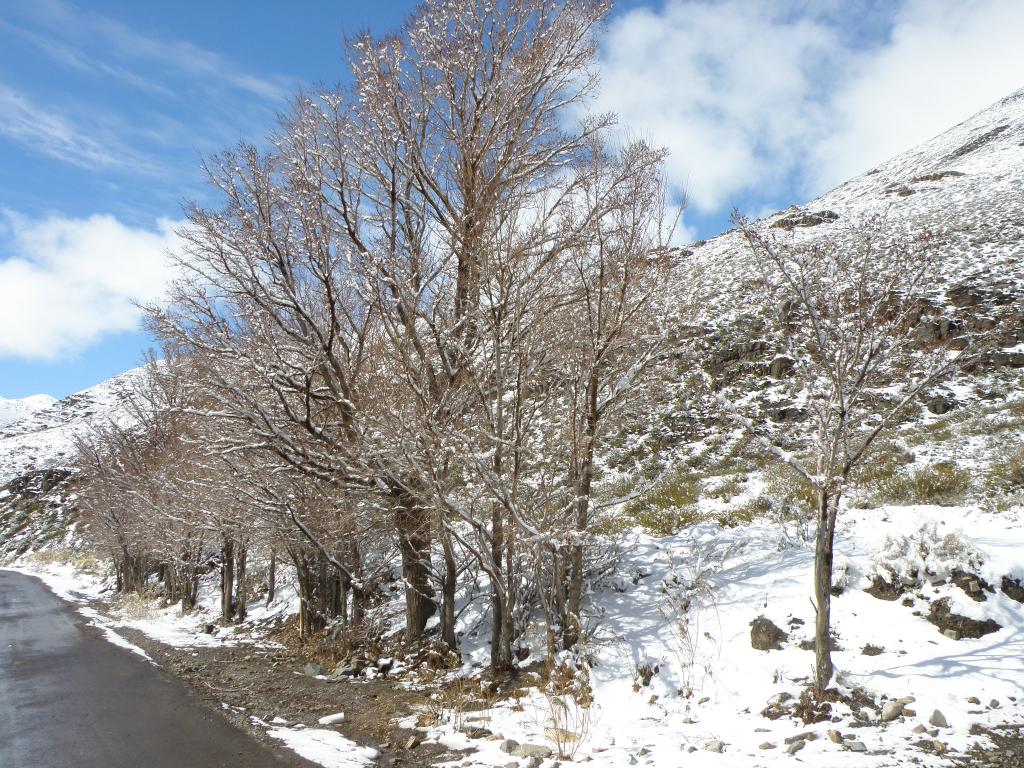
926	554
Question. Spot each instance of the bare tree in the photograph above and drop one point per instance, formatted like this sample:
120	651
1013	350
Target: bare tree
844	309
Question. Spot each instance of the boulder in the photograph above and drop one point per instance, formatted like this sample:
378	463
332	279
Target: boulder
532	750
891	710
766	636
938	720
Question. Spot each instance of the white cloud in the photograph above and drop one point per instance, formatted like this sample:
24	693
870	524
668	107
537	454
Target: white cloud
723	86
755	97
944	61
51	133
65	283
120	40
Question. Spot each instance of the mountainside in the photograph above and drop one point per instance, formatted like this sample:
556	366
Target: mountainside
965	187
36	452
15	410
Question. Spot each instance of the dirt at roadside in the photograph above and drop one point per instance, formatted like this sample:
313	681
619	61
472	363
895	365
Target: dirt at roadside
267	683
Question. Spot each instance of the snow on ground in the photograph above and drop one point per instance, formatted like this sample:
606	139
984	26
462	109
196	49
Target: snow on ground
755	570
328	748
728	577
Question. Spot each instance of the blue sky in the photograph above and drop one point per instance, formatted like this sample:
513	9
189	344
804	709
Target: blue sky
107	107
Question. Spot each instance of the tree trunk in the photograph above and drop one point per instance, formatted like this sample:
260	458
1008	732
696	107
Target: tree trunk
501	630
448	586
311	617
581	522
360	598
828	505
227	581
190	588
414	544
241	589
272	577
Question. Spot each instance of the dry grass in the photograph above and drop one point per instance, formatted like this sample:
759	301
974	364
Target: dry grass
939	483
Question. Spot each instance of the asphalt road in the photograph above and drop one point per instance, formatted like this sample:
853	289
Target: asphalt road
70	699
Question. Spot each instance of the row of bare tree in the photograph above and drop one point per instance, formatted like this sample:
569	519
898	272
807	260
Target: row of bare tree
406	329
398	344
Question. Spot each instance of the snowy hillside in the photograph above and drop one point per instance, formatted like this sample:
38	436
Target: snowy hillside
36	453
965	186
16	410
45	437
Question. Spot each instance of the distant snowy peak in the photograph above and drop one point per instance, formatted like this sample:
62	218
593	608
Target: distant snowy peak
16	410
45	437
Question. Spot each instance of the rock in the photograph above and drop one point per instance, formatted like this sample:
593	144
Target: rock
871	650
919	729
332	719
780	367
805	736
344	668
883	590
765	636
767	745
1012	588
973	700
891	710
835	736
534	762
532	750
476	732
938	720
994	704
795	747
509	746
805	219
312	669
856	746
942	617
714	746
940	404
412	742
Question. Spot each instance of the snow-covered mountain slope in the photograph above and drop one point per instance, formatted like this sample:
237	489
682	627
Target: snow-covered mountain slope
45	439
965	187
16	410
36	454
